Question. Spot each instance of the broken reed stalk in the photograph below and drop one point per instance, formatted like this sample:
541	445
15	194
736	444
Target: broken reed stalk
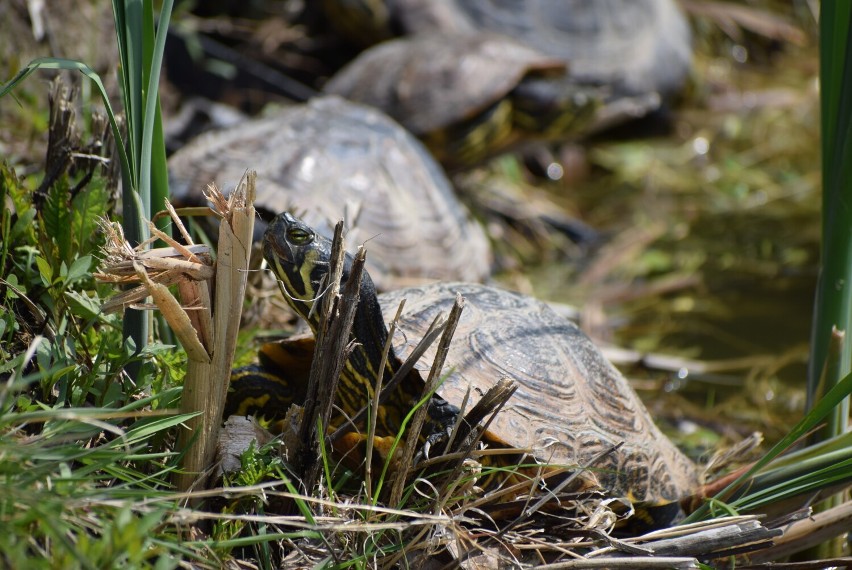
322	382
332	351
206	385
339	350
739	535
645	562
488	405
61	139
412	438
207	329
806	533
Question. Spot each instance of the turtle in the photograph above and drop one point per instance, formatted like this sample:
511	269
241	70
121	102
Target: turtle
636	47
468	96
337	158
571	404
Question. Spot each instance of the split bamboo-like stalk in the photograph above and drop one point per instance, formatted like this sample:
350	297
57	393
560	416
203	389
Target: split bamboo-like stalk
206	328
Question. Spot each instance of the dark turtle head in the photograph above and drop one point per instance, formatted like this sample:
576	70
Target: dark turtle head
289	242
300	258
553	108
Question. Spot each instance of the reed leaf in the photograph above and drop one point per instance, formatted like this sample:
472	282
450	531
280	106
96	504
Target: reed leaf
833	304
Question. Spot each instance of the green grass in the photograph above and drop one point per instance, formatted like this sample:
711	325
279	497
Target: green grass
82	455
756	497
829	365
87	406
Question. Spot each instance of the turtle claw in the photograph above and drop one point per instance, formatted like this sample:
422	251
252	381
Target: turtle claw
437	439
439	426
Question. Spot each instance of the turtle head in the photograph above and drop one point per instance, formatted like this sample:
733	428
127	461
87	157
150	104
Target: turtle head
554	108
300	258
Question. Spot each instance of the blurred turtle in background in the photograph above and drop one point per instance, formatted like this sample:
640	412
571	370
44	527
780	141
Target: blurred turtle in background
468	96
635	47
639	51
330	159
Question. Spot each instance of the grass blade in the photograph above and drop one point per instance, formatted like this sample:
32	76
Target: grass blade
819	412
155	176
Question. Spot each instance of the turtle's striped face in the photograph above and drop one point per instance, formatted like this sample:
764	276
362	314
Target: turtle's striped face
300	259
553	108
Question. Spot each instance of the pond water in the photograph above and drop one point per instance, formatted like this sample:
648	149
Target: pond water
712	242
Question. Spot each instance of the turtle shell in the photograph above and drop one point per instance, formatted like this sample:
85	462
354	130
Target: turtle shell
633	46
331	158
571	403
431	82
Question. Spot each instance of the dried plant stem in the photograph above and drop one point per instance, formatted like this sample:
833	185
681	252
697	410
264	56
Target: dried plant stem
552	495
412	438
662	562
374	405
488	406
332	351
808	532
490	403
206	384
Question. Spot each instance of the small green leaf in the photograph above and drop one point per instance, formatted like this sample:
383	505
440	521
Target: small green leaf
88	207
45	270
79	269
12	364
82	305
56	216
12	284
144	429
23	224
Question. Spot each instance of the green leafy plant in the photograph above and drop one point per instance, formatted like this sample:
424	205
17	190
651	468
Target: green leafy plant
83	465
142	154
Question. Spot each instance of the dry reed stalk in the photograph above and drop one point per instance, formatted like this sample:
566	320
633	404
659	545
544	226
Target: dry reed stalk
232	261
806	533
206	328
374	405
412	438
332	350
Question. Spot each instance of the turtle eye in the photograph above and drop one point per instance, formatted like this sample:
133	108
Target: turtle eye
299	236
